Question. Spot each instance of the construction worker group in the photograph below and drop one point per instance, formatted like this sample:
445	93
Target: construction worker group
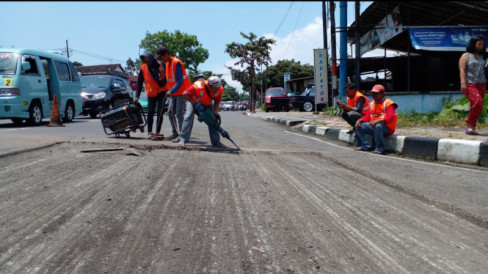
165	76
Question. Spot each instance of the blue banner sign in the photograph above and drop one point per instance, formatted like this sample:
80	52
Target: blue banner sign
444	39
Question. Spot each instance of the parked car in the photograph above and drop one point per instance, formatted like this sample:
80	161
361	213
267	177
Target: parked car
143	102
101	92
228	106
276	99
306	100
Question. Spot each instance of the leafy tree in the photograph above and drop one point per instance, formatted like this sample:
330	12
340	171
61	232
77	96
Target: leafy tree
230	94
251	54
186	47
77	64
132	67
297	70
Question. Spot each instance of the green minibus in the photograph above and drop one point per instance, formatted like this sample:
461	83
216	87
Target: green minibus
30	78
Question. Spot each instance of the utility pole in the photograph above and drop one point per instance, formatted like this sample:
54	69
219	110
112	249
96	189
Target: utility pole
343	47
253	104
357	46
324	28
67	48
333	47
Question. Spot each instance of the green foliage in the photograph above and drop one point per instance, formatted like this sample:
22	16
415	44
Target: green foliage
132	67
250	56
332	111
180	44
230	94
460	108
296	70
452	114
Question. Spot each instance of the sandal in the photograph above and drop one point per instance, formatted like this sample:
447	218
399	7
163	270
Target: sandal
470	131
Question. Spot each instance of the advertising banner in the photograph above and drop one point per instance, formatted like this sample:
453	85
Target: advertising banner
443	39
320	76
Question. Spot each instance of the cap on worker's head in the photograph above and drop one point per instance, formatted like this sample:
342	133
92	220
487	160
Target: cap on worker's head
161	51
378	88
214	81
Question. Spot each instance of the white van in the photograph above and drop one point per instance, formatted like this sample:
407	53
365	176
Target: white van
29	79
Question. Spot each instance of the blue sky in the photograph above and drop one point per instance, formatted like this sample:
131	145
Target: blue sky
110	32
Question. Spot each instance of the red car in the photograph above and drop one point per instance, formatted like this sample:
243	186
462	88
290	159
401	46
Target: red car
276	99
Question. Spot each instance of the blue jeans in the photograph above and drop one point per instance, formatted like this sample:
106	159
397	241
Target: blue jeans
213	132
379	131
176	110
187	123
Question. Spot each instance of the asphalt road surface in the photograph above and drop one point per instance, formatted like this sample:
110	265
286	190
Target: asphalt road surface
287	203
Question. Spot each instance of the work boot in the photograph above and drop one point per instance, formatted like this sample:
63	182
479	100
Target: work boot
220	145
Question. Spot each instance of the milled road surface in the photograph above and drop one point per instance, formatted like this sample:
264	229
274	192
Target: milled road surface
287	210
260	214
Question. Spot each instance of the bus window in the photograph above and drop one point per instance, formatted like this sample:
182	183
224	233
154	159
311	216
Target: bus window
33	66
63	71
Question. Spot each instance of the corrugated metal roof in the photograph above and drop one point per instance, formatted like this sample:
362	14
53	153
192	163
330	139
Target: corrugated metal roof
421	13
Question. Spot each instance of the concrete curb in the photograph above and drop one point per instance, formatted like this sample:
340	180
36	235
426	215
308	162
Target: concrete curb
453	150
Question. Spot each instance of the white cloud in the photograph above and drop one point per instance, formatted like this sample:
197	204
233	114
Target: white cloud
298	45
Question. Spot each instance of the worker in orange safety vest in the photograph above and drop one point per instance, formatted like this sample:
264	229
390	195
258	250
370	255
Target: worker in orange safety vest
356	107
177	83
203	94
379	121
154	79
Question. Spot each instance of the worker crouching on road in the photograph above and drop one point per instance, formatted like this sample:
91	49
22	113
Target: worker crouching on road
356	107
201	95
154	78
379	121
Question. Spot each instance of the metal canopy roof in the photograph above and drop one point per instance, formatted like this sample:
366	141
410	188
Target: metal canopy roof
420	13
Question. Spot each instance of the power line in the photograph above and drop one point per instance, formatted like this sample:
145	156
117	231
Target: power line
283	20
95	55
296	23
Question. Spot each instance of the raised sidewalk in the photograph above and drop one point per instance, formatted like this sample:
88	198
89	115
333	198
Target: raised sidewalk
441	144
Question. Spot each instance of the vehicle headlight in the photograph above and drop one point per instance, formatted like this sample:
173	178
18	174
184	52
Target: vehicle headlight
9	91
100	95
85	95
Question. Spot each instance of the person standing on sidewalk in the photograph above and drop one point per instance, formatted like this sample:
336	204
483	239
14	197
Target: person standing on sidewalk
154	79
357	105
379	121
177	83
204	94
473	80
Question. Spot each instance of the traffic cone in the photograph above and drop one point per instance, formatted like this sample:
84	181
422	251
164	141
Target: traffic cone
55	120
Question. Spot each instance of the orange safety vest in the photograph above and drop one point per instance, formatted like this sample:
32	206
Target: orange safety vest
152	87
352	102
202	96
378	111
171	76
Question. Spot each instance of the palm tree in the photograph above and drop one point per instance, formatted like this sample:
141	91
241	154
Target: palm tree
255	52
